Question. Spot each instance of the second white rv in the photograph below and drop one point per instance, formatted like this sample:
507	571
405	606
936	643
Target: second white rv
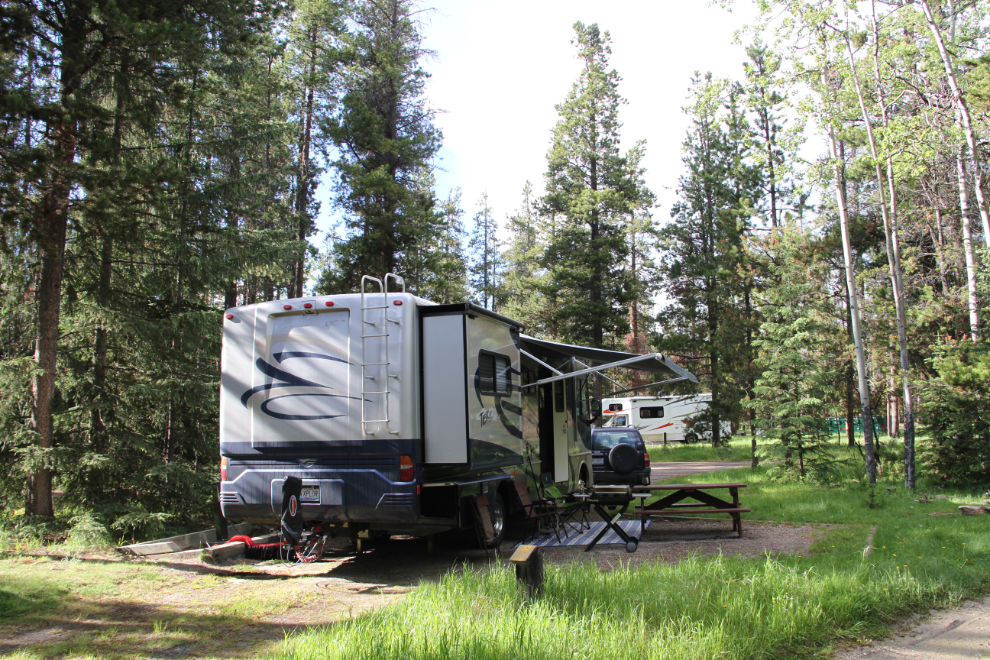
661	419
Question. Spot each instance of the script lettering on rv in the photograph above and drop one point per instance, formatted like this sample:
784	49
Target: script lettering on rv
282	378
486	415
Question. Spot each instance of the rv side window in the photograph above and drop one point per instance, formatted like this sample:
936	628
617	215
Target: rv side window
612	407
493	373
653	412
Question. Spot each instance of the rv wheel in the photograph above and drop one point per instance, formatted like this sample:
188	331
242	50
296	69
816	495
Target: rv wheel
496	507
691	438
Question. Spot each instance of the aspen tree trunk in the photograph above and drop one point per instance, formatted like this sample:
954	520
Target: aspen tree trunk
890	233
967	234
964	120
864	392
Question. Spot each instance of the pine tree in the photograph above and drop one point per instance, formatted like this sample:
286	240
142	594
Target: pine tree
589	193
384	136
797	350
485	257
524	278
706	321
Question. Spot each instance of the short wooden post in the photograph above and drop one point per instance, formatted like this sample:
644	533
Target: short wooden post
529	570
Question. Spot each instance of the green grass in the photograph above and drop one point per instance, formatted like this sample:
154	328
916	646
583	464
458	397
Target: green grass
737	450
699	608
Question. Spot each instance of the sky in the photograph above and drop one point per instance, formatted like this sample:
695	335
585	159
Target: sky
500	68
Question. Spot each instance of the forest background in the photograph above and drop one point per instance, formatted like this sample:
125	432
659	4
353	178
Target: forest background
159	163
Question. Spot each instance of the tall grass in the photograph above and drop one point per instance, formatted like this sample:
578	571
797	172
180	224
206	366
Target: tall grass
719	608
699	608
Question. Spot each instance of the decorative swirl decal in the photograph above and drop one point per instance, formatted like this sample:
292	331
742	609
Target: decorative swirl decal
282	378
499	405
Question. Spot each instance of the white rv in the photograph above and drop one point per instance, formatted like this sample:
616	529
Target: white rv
661	419
400	416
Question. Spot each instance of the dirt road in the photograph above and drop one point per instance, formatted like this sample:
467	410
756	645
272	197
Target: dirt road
962	633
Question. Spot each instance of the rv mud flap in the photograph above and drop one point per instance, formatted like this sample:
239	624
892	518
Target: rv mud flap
330	505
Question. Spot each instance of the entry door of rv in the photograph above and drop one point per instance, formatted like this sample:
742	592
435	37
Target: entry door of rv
560	431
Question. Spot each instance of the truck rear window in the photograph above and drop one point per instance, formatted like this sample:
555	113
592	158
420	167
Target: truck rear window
609	439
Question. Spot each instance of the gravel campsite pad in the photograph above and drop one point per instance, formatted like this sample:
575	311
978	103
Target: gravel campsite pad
109	606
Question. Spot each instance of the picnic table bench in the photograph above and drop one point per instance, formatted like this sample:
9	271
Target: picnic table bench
673	504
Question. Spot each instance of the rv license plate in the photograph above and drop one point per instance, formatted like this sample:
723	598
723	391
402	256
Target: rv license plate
598	461
310	495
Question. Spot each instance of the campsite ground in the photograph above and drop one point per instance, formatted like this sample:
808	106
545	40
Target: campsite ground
100	604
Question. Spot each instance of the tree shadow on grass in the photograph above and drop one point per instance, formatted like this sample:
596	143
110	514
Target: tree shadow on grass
128	629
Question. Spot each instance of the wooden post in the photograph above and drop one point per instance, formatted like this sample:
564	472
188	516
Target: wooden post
529	570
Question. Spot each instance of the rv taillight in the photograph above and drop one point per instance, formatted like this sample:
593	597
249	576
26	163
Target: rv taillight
307	305
223	468
405	468
646	459
329	303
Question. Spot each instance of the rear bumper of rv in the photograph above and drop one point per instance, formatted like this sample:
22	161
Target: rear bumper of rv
352	487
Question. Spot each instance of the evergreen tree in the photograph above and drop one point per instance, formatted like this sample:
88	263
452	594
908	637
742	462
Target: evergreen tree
384	136
524	278
797	350
486	258
706	322
589	193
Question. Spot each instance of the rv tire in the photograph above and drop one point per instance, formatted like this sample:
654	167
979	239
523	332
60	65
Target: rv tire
497	511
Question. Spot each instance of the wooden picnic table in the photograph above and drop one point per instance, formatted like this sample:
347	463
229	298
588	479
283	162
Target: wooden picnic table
674	505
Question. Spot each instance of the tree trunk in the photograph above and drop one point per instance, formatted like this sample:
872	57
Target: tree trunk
302	208
53	222
864	393
892	243
968	251
962	114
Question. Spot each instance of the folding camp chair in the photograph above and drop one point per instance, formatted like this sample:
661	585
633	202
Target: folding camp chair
544	511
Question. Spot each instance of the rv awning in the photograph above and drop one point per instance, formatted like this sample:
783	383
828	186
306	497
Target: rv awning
605	359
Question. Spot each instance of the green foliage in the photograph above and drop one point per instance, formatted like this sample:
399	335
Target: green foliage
795	358
87	532
590	191
956	411
706	267
486	261
385	140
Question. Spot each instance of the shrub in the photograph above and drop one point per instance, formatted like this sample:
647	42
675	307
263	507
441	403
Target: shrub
956	410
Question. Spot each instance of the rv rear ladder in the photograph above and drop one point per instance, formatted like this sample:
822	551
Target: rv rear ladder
383	337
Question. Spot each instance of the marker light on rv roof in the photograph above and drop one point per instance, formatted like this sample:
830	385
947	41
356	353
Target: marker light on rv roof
286	306
307	305
397	303
329	303
229	316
